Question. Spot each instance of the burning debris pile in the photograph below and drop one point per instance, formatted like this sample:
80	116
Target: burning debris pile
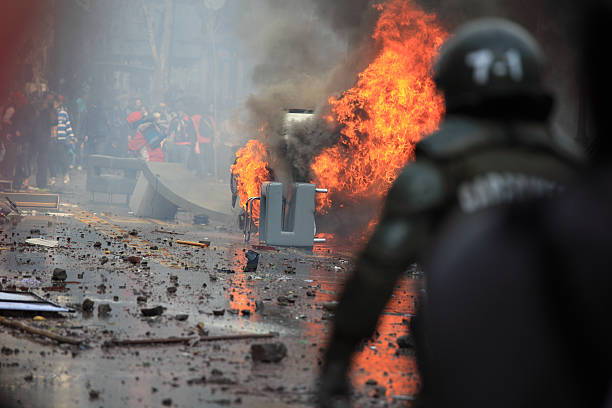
367	134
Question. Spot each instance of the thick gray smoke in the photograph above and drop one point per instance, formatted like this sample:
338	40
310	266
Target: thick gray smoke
304	51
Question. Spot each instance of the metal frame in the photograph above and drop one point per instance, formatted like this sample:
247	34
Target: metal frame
249	218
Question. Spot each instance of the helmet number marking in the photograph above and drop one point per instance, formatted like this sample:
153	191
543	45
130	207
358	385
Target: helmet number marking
484	64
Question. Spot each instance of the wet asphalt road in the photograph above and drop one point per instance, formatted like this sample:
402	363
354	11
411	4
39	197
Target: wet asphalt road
35	372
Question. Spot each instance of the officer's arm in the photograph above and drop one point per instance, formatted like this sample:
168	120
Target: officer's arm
398	240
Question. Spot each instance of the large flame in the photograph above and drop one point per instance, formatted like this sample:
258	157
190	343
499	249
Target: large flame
251	170
393	105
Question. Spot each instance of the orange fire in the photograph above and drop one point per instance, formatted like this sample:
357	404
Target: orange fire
251	170
393	106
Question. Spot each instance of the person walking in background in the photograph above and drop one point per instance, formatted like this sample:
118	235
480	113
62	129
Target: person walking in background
205	128
44	123
65	143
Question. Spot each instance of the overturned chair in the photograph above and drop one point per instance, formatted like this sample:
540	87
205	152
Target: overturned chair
112	175
285	220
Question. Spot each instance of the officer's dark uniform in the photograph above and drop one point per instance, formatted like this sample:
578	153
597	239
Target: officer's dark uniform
494	148
532	328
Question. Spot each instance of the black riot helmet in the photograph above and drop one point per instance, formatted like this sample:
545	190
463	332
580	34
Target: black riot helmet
493	68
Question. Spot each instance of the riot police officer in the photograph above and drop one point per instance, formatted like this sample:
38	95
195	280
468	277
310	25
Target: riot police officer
539	282
494	148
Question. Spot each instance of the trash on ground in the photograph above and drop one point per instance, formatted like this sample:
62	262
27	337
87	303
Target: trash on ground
191	243
39	332
28	302
154	311
49	243
252	261
269	352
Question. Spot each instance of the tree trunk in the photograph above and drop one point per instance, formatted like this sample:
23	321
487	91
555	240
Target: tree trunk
161	55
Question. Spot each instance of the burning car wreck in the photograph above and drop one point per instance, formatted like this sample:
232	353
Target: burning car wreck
387	161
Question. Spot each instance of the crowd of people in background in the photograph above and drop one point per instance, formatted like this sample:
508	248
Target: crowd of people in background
44	137
177	137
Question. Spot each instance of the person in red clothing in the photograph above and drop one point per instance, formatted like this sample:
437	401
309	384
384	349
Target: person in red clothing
146	142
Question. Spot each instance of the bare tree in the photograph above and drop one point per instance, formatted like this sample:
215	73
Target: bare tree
161	54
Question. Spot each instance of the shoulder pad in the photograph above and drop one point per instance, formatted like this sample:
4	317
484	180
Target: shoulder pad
419	187
458	136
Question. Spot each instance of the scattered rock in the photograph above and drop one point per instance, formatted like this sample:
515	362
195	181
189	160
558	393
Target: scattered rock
406	341
379	392
59	274
310	293
181	317
330	306
219	312
133	233
269	352
87	305
167	402
284	300
103	260
97	245
154	311
171	289
252	261
94	395
134	260
29	377
245	312
141	299
104	310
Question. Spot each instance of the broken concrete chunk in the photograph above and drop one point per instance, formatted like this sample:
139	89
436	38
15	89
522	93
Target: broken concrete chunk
406	341
154	311
134	260
104	310
88	305
252	261
330	306
59	274
269	352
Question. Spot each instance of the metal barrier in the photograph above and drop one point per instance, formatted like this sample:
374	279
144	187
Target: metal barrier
249	218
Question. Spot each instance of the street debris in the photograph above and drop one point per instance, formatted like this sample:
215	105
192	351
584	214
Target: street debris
134	260
154	311
196	244
406	341
269	352
147	342
167	232
104	310
88	305
59	274
239	337
42	242
27	302
252	261
39	332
